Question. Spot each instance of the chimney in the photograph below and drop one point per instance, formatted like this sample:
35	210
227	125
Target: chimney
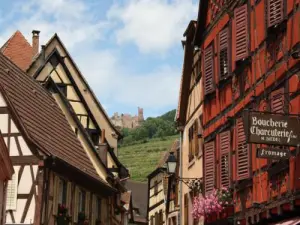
102	152
35	42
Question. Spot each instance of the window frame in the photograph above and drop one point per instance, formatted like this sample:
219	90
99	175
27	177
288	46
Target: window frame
62	191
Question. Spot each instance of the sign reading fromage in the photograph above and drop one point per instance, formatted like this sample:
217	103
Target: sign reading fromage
273	153
272	129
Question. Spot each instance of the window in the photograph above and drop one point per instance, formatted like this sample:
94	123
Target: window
199	139
243	170
94	135
241	32
209	86
224	53
196	69
224	161
11	193
161	218
191	143
62	192
62	88
209	168
196	138
155	187
275	12
81	201
277	101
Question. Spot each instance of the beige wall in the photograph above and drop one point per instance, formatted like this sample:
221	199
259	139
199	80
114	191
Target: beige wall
194	168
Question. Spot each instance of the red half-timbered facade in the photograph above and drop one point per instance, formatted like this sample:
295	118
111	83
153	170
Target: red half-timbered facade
250	61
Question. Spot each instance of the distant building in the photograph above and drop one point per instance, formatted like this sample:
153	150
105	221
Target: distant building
127	120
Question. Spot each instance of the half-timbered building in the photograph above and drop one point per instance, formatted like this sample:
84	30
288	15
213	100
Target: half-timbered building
189	121
6	173
54	176
250	61
54	68
158	187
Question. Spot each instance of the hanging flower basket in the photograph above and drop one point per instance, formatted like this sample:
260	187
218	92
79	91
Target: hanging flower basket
212	204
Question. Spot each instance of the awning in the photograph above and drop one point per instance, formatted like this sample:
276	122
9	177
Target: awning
293	221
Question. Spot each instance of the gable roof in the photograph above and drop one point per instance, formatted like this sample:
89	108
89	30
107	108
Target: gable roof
88	89
41	120
139	198
186	74
18	50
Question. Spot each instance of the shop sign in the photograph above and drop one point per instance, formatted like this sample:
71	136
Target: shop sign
273	129
273	153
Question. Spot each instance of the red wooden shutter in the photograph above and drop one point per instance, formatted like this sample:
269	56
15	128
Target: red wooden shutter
209	168
242	152
275	12
277	101
223	53
241	32
208	70
224	165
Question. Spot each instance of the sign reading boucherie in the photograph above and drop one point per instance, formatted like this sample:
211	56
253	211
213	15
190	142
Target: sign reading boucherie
272	129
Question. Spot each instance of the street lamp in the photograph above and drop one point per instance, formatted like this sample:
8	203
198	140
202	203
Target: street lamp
171	163
171	168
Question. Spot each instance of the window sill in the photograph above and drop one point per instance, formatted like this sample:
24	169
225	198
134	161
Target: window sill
191	163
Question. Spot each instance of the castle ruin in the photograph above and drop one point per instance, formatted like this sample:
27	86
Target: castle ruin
127	120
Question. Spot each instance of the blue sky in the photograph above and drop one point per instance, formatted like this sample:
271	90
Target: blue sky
128	50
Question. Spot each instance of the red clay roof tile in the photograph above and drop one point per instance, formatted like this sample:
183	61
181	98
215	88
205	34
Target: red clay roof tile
18	50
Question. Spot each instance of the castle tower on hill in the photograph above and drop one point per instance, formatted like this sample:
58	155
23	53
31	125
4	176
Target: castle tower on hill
127	120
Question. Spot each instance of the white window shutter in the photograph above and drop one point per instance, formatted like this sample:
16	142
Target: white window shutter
12	192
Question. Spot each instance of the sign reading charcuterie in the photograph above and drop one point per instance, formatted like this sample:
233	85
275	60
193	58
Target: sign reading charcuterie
273	129
273	153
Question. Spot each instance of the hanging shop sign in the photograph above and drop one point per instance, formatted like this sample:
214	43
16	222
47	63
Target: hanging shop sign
273	153
273	129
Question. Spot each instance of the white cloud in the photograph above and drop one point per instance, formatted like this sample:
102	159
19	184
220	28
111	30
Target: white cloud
109	77
73	20
111	80
153	25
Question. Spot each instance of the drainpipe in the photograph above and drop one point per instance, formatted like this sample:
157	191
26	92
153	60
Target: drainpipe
180	175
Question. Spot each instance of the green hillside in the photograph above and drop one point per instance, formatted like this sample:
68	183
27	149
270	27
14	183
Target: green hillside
142	158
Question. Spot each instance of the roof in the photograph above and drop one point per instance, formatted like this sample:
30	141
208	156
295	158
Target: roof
186	75
139	197
40	118
55	36
18	50
165	156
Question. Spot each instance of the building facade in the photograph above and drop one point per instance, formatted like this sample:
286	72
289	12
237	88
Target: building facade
88	122
249	53
162	201
189	120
